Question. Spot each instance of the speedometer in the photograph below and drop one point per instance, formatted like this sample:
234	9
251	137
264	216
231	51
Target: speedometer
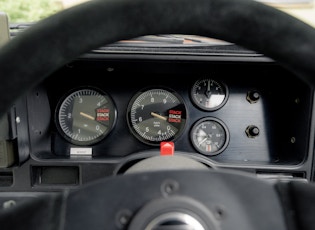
156	115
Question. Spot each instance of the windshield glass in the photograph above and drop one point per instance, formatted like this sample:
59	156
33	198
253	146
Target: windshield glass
22	11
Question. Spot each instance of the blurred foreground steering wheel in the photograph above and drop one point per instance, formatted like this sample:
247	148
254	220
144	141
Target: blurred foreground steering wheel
175	199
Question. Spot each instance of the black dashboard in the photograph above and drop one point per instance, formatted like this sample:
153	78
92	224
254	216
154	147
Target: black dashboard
254	121
164	131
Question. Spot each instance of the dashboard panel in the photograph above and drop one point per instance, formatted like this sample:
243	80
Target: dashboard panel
219	105
258	122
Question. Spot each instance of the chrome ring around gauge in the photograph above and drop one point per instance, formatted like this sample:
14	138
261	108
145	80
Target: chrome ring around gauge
209	136
156	115
209	94
85	116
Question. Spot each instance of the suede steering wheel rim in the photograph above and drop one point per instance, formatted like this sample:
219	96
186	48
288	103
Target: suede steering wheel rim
54	41
51	43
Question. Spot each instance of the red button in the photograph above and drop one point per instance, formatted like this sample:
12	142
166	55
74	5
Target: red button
167	148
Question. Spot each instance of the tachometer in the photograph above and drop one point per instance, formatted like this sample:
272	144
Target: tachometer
156	115
85	116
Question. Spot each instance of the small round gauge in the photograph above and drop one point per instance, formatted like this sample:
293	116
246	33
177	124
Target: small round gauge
209	94
156	115
85	116
209	136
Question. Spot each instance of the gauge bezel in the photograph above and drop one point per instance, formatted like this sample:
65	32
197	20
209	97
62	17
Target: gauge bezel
146	90
223	126
96	139
195	101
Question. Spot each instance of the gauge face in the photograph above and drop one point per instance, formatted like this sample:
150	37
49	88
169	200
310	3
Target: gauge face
209	136
85	116
209	94
156	115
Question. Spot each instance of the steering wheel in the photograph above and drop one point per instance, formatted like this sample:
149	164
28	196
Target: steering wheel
173	199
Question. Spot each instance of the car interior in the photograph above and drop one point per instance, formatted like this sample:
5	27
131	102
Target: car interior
158	114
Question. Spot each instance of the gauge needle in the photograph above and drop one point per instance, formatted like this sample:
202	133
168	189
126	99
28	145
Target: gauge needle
87	116
203	141
158	116
208	92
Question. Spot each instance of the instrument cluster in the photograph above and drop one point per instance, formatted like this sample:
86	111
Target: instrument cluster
86	115
227	112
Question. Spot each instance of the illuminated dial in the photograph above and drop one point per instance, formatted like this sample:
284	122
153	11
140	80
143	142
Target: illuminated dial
209	94
209	136
85	116
156	115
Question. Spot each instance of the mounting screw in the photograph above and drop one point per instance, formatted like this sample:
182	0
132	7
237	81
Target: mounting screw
123	217
169	187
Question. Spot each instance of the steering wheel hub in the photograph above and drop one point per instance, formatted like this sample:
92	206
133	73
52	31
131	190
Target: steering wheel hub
175	220
180	213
